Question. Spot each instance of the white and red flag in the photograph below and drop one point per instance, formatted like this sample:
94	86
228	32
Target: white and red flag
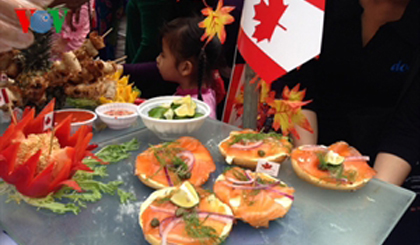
48	121
4	97
276	36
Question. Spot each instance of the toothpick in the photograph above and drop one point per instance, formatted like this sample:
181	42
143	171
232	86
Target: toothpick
12	115
51	141
107	32
120	59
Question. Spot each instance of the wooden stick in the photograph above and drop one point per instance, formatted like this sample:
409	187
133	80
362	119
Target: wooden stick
51	141
12	115
107	32
120	59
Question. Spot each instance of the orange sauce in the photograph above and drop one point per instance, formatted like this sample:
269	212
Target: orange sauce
77	116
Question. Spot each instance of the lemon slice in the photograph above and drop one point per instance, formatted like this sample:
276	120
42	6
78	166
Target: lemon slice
166	105
169	114
185	110
333	158
185	196
184	100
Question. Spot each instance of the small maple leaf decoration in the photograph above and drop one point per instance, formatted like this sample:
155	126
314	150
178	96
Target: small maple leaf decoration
269	17
214	23
267	166
48	122
288	111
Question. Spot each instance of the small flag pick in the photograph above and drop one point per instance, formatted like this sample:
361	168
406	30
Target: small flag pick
48	121
49	124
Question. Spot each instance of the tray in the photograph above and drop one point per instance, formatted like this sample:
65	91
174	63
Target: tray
318	216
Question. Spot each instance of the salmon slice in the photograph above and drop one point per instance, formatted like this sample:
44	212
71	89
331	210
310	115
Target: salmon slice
274	149
151	172
256	207
164	211
356	171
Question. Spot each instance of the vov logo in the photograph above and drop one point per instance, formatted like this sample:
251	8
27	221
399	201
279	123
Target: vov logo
41	21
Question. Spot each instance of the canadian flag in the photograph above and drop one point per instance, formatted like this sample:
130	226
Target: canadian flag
48	121
4	97
276	36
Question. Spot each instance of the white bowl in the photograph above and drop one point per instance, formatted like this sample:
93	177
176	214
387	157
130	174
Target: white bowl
117	122
171	129
76	125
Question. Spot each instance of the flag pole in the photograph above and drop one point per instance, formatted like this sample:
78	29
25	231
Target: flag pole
251	97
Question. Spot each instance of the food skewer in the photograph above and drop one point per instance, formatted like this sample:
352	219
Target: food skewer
120	59
107	32
12	115
51	141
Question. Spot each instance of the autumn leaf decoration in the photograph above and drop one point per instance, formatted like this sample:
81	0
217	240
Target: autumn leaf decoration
288	111
269	17
214	23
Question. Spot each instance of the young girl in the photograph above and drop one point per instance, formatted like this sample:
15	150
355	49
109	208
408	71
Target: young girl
187	61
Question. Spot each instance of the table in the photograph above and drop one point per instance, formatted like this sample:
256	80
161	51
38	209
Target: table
318	216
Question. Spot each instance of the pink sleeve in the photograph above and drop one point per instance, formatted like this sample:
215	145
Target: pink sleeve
210	99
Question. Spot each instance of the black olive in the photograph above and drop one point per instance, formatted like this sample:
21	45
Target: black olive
188	175
155	222
179	212
261	153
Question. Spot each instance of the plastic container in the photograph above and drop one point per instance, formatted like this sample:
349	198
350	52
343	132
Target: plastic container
115	121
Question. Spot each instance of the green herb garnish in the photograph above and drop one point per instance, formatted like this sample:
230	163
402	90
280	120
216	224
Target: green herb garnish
82	103
261	153
239	175
254	137
336	171
198	230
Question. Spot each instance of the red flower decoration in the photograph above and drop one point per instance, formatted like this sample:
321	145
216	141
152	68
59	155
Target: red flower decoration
25	160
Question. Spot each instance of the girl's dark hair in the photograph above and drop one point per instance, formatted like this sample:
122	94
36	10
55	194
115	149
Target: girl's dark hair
183	36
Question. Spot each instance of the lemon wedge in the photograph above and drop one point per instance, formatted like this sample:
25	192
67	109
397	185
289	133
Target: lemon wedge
185	196
184	100
185	110
333	158
169	114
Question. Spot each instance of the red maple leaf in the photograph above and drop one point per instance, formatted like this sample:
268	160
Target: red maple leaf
269	17
267	165
48	121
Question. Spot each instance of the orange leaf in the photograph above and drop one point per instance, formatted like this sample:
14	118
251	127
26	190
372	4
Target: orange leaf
288	111
214	23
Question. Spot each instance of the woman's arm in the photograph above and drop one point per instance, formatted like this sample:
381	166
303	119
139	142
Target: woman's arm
391	168
306	137
401	143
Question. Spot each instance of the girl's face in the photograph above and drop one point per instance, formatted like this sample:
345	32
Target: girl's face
166	62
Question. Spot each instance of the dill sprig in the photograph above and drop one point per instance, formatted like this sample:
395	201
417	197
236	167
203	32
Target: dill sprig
254	137
198	230
166	154
239	175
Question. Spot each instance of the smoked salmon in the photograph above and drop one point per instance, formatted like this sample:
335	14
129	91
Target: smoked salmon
255	198
171	163
245	148
163	222
339	166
